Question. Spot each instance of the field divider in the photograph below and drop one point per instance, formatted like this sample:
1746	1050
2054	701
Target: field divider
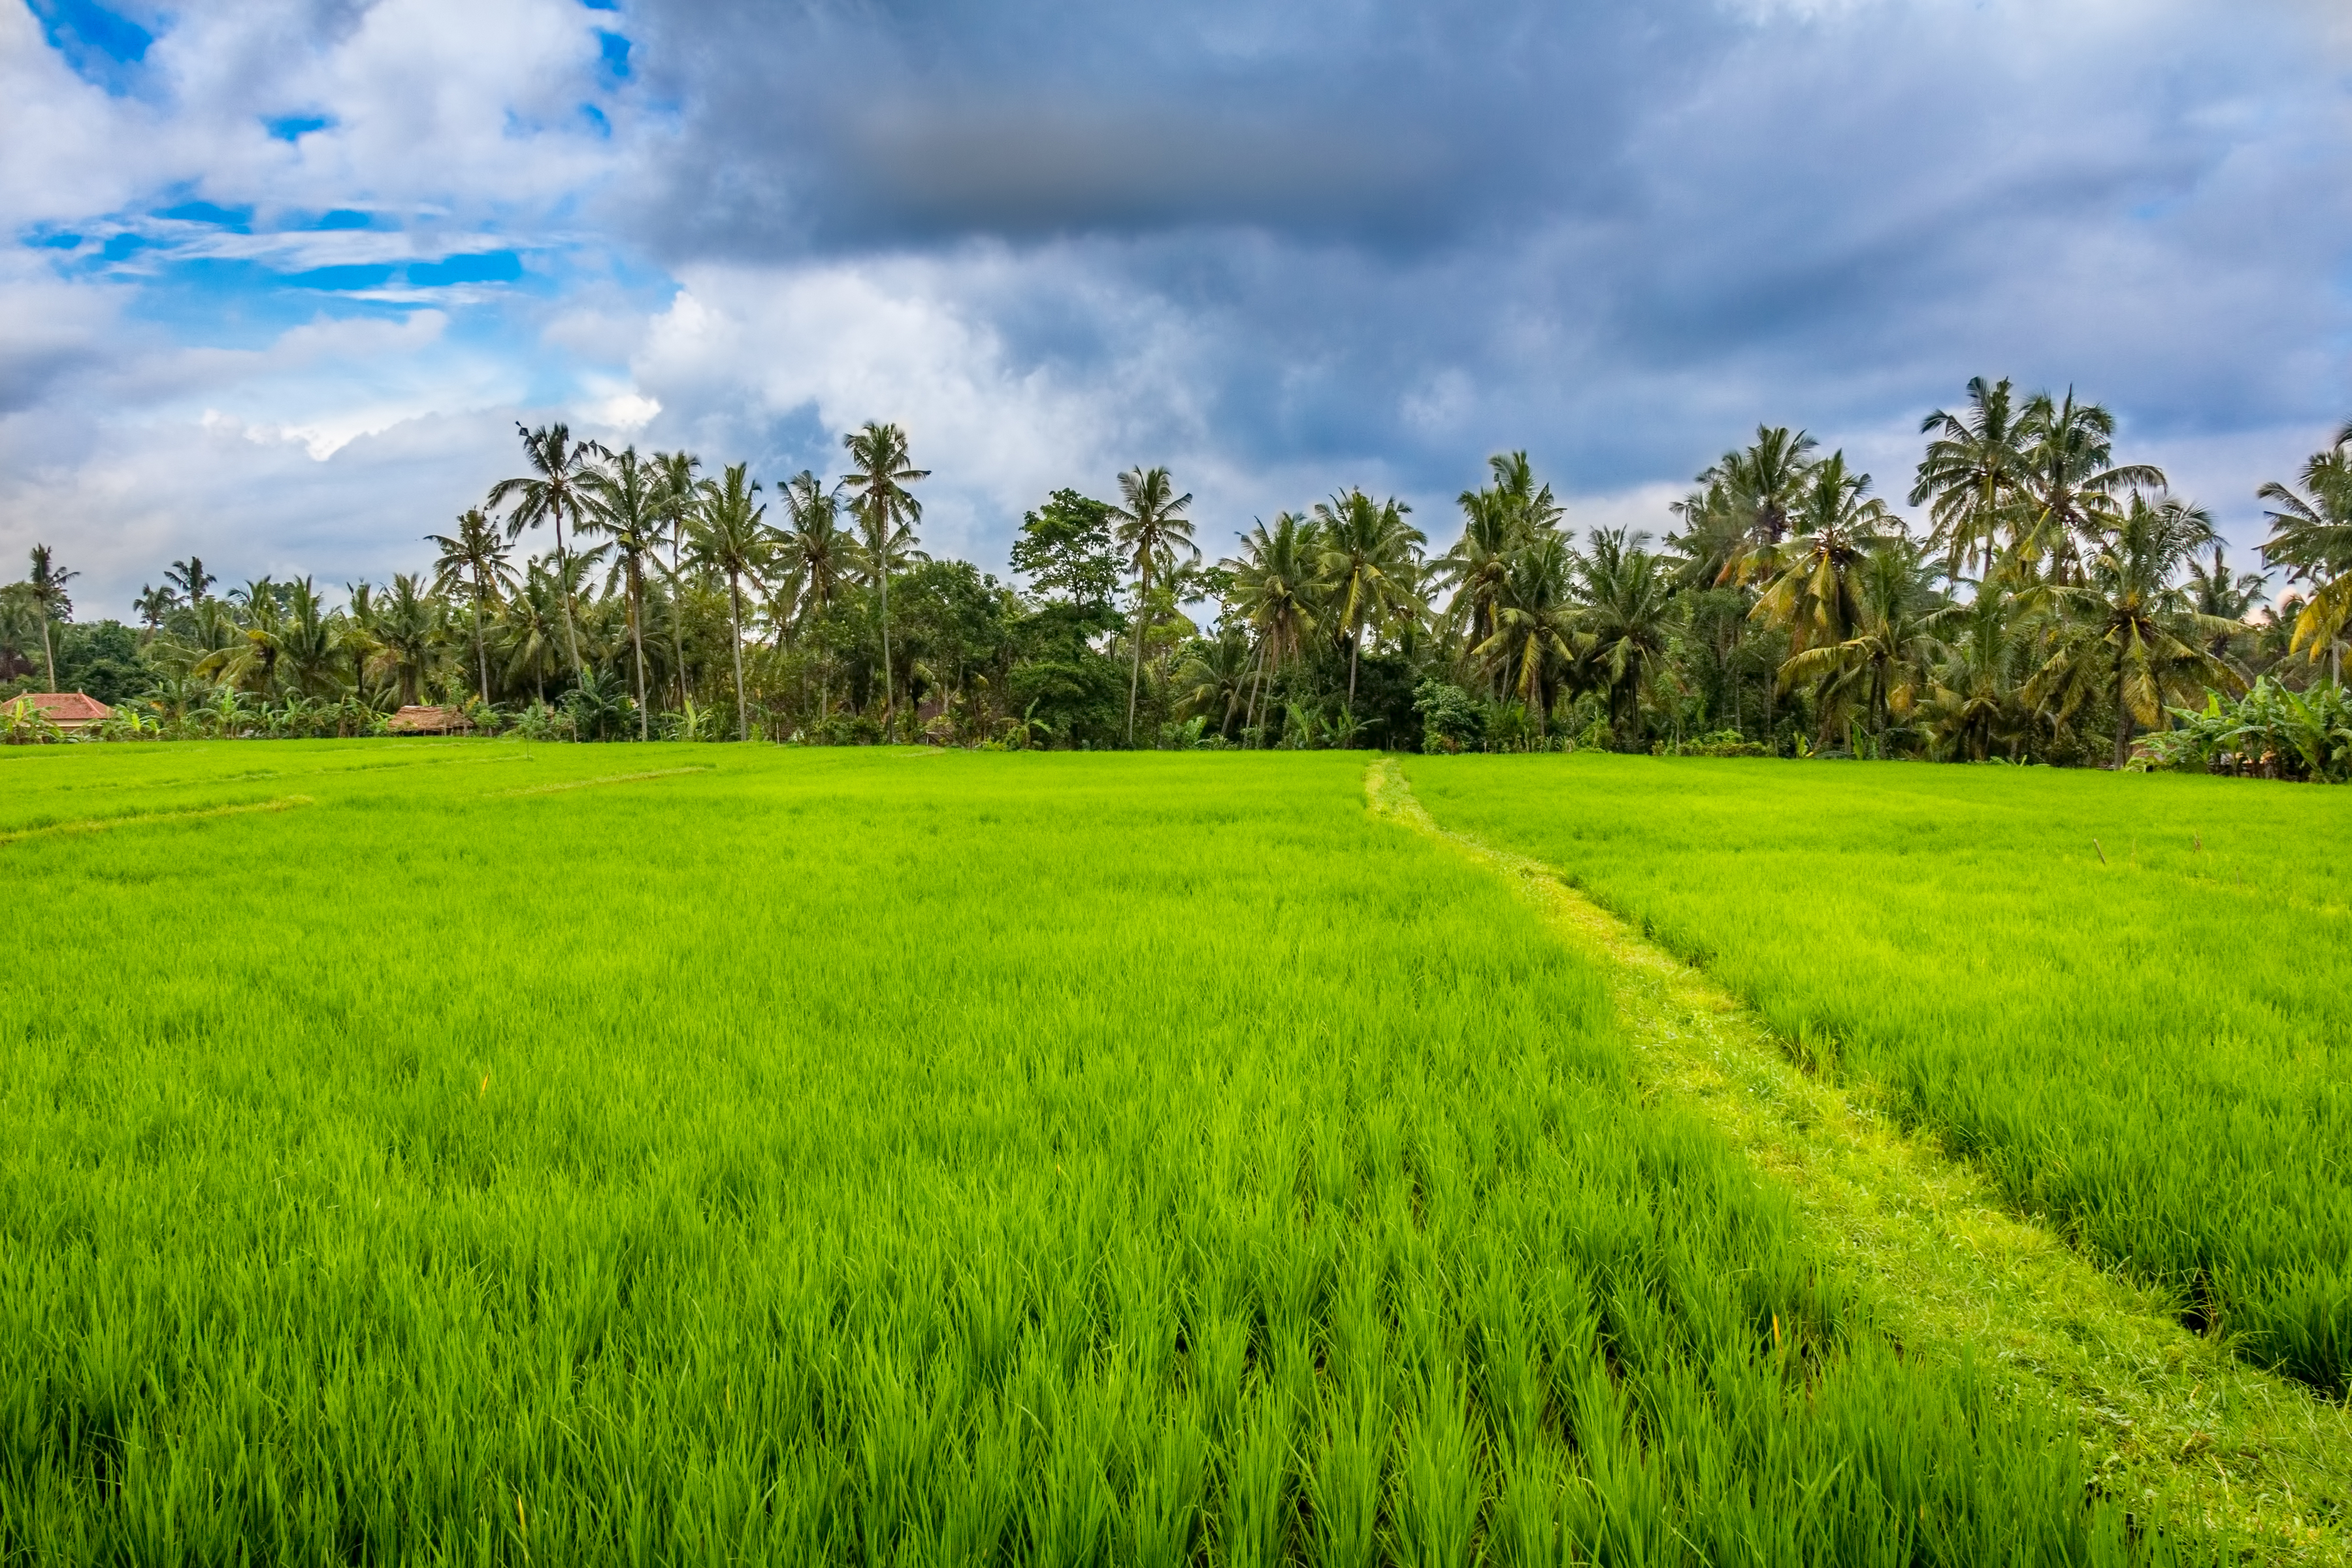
605	779
142	818
2164	1415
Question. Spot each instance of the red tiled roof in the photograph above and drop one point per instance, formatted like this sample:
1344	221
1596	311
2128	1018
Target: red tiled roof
68	707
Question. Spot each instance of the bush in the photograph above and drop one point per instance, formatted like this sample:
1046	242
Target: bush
1450	720
1720	743
2270	732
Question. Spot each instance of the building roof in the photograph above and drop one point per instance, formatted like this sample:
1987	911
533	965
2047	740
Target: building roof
68	707
424	718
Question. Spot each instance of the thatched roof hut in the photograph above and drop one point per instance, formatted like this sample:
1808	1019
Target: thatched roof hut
426	720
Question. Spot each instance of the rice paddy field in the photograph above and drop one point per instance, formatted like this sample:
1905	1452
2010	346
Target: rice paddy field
464	1152
2128	997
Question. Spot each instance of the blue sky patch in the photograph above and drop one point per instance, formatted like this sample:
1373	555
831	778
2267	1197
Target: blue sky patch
101	45
614	49
240	219
595	119
294	127
479	267
366	275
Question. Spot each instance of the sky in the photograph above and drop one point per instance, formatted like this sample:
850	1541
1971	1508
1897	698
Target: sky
279	278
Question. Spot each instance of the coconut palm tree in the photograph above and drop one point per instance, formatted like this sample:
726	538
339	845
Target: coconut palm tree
1891	642
1371	557
1809	588
1213	677
2215	590
1151	527
1762	484
2070	486
2136	631
630	495
1972	474
560	486
1971	702
1536	633
822	553
309	640
1626	620
47	582
249	661
190	579
680	495
1278	584
411	628
154	606
886	511
476	557
730	534
2311	536
530	627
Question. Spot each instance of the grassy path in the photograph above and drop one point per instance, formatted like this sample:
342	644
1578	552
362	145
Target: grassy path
2165	1416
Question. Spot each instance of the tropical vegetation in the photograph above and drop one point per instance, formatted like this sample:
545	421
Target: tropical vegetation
2048	602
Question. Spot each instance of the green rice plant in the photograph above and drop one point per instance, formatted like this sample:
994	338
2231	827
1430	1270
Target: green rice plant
764	1156
2123	995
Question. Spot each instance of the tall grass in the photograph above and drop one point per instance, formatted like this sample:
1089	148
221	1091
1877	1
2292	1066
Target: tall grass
2124	995
892	1159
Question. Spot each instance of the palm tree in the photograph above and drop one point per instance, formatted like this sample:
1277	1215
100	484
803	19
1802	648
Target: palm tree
887	514
2135	628
410	625
1971	473
249	661
1151	527
1278	581
560	485
1762	484
2215	590
154	606
629	509
680	494
1971	701
1474	569
1213	677
47	583
475	556
1891	644
1372	557
1626	620
1809	589
2311	536
1535	623
528	624
308	639
821	553
2069	485
730	534
190	578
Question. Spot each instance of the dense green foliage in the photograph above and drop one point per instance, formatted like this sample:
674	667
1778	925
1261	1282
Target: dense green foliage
460	1151
2125	997
2050	604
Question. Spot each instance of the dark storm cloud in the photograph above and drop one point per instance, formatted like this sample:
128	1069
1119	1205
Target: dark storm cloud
854	126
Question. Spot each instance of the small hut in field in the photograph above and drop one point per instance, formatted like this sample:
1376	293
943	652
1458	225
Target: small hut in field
427	720
70	711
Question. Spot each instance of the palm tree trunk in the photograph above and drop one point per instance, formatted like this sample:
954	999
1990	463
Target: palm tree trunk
481	650
890	698
563	582
637	637
1134	675
48	654
2122	720
735	619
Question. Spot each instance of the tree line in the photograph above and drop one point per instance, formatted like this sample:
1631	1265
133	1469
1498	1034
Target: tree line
2048	603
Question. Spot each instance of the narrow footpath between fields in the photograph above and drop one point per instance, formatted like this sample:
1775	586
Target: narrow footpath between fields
2165	1416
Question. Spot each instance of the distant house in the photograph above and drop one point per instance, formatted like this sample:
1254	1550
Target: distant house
426	720
71	712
